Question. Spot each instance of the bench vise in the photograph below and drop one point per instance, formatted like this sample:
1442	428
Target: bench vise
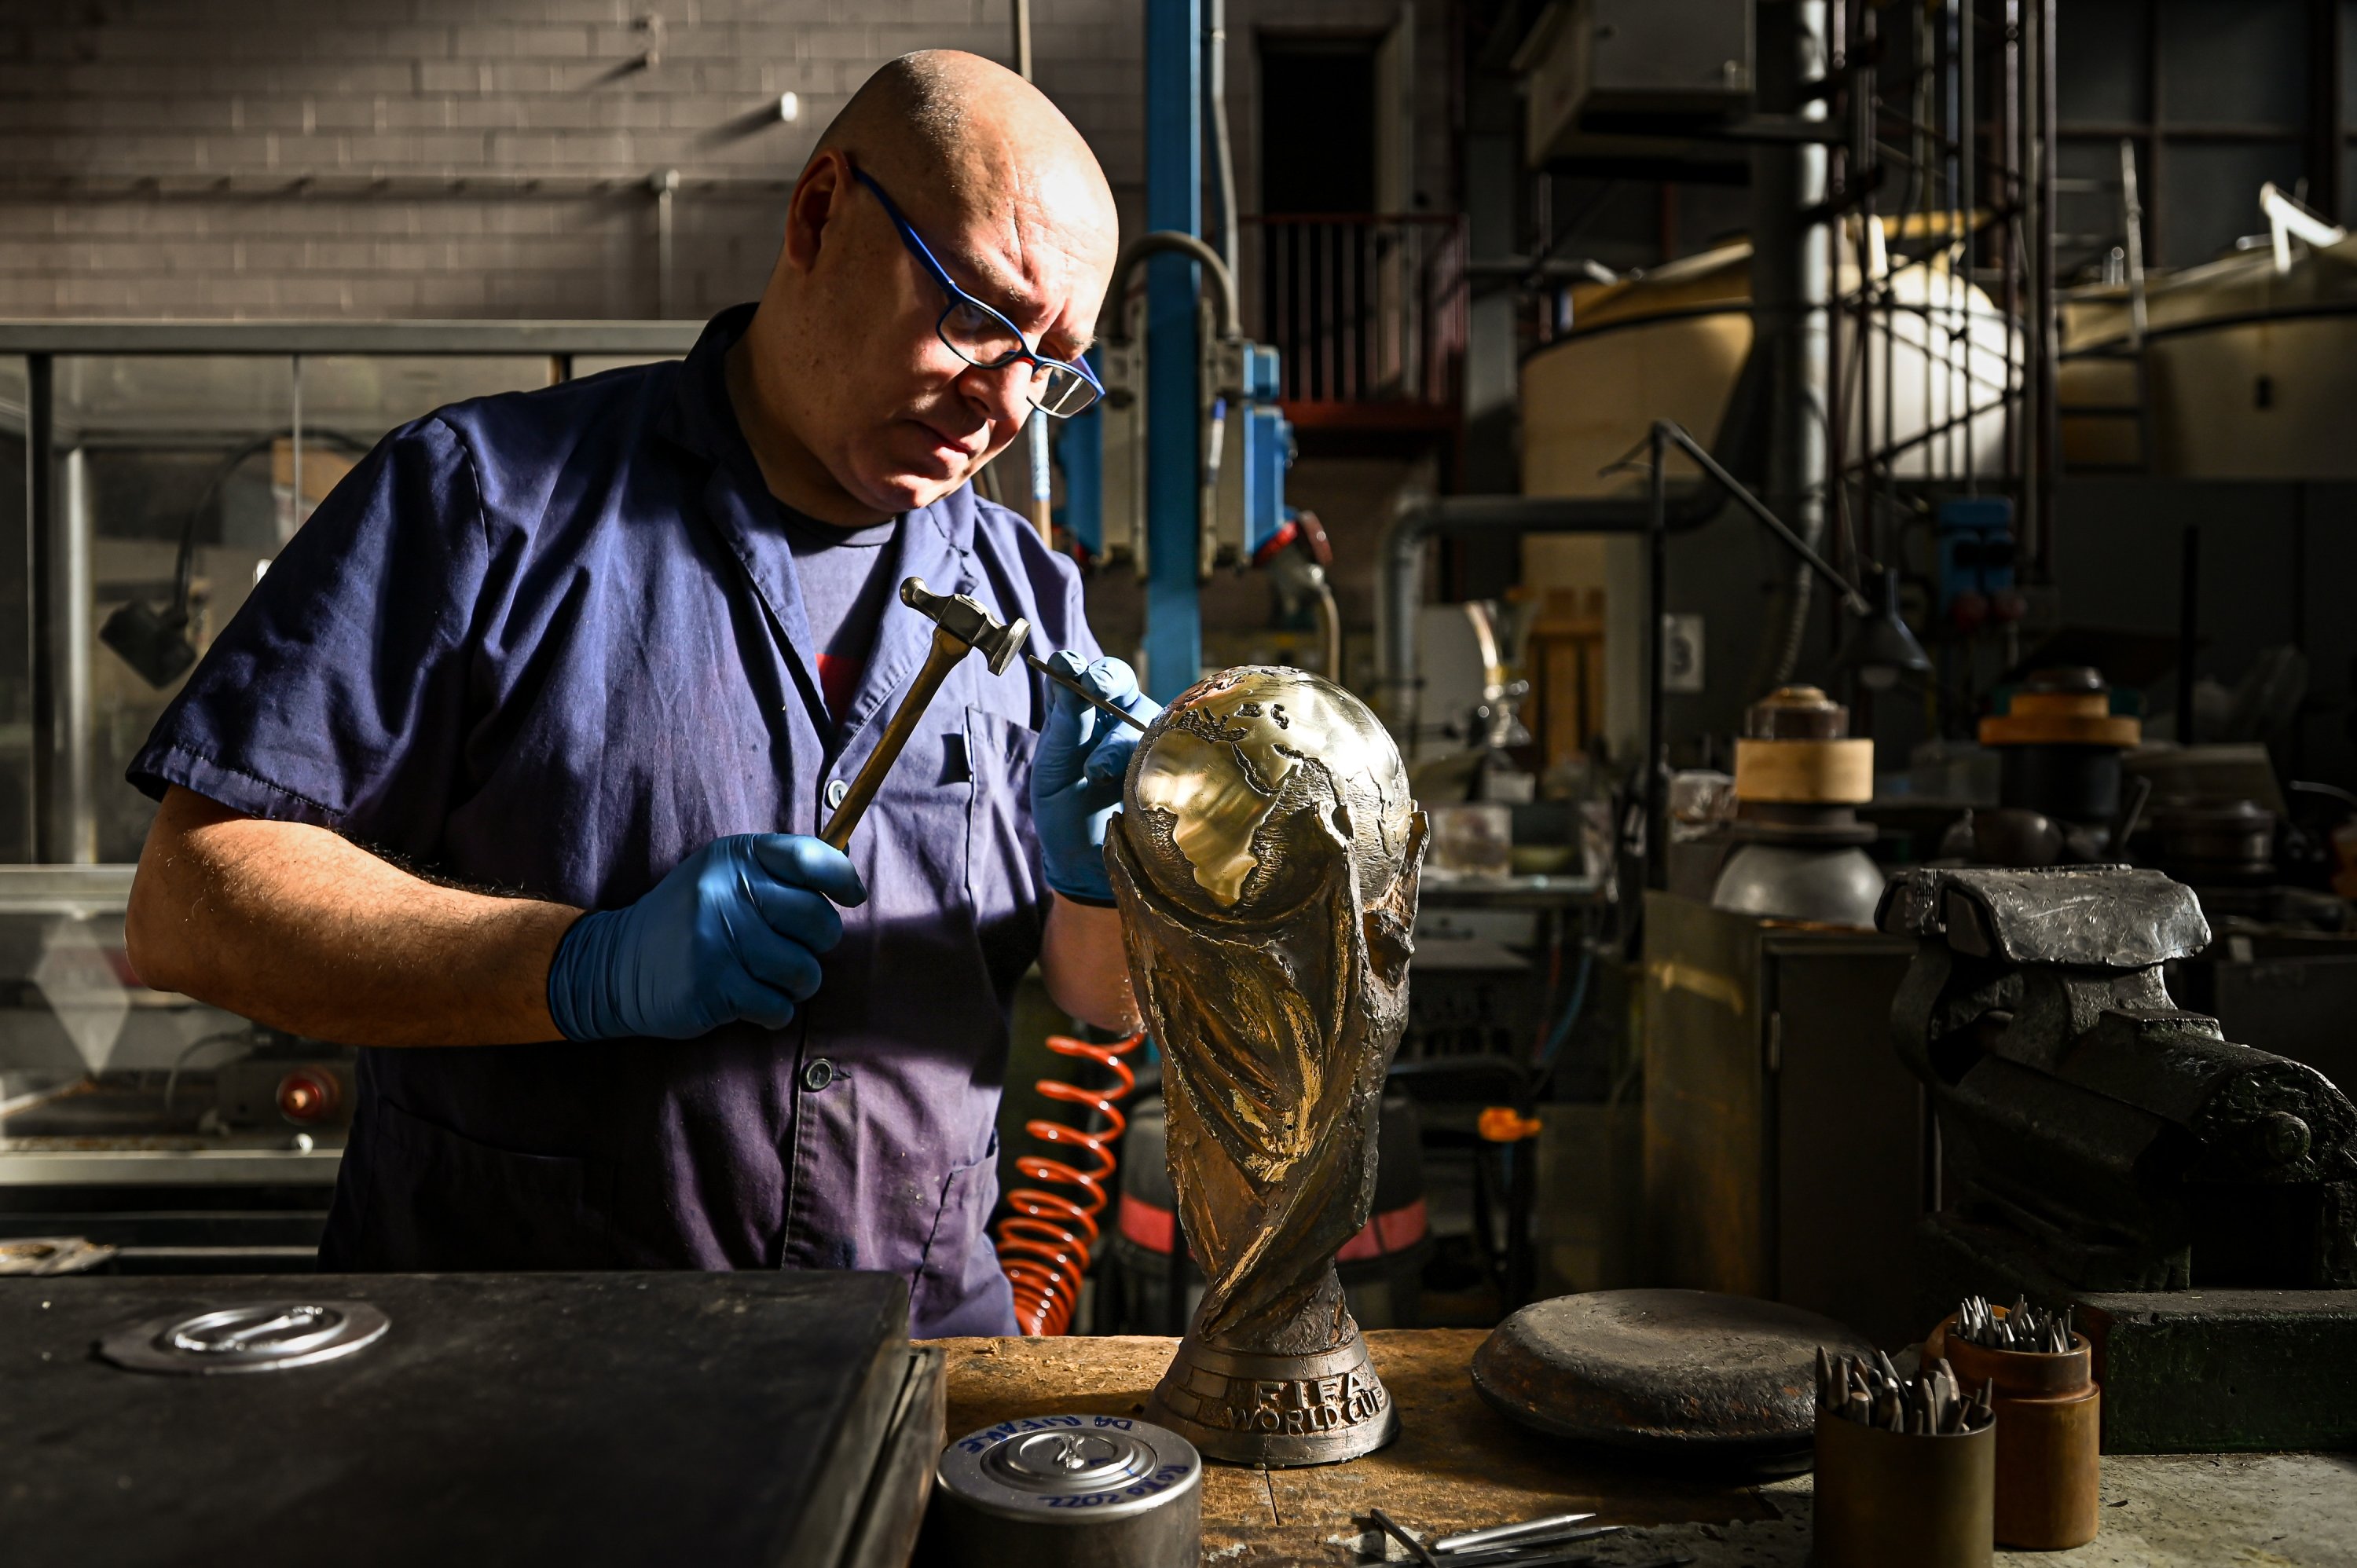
2119	1141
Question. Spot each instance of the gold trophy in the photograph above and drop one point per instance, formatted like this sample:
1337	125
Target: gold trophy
1265	863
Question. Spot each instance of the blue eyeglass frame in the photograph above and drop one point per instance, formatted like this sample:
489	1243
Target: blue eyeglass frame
958	297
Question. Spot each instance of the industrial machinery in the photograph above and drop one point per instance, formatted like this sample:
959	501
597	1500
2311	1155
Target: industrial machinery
2237	368
182	1137
2092	1125
2060	748
1671	343
1243	439
2193	1201
1797	844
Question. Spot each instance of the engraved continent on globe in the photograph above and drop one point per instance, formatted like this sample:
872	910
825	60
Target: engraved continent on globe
1220	781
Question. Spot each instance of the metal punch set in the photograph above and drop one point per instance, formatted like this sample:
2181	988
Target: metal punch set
2024	1328
1871	1391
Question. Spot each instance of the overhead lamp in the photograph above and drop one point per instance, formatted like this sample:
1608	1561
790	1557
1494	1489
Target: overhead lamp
152	642
1880	650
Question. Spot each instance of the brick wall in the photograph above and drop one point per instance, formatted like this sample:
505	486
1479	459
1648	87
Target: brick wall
321	159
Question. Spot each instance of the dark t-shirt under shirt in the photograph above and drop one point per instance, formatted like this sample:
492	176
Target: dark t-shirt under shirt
844	590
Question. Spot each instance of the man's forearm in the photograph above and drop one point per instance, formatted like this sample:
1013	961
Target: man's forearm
301	929
1083	961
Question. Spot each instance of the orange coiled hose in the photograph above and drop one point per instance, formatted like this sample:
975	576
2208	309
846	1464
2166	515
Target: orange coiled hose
1044	1245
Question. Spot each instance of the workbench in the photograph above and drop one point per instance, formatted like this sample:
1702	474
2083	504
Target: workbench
1457	1466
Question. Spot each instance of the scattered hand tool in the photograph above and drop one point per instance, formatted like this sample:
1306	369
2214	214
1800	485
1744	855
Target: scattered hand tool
1073	684
1498	1535
962	625
1535	1544
1391	1527
1872	1393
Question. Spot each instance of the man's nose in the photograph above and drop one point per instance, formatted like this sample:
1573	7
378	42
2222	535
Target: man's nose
1003	394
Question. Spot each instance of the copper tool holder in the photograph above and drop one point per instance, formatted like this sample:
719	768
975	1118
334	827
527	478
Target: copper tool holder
2049	1437
1891	1499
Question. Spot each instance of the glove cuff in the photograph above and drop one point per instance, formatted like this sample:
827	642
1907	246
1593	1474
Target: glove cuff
575	970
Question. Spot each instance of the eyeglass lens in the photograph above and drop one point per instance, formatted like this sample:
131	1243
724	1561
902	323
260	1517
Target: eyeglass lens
980	338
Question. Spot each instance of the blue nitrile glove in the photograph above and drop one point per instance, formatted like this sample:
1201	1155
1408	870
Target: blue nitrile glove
733	932
1076	776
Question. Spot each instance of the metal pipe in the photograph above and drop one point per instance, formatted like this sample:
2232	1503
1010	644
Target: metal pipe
1967	132
1330	628
1399	567
1657	574
1223	159
40	652
1790	300
665	184
1042	478
2188	628
2046	435
1173	650
629	339
1023	38
1680	437
294	502
73	811
1225	311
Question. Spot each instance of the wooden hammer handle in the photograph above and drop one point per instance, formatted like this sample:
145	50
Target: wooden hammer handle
947	651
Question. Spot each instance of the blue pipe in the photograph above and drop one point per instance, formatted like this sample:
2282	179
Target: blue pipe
1174	200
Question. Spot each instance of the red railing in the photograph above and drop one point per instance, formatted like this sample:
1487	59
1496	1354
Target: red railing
1366	310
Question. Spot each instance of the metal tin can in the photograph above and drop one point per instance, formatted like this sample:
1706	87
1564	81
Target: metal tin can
1067	1492
1887	1499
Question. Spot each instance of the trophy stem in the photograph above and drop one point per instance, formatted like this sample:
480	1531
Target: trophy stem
1251	1406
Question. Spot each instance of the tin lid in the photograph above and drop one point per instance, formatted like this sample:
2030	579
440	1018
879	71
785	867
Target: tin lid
1071	1468
256	1337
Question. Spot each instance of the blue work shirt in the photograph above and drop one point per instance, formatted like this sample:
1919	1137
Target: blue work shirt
551	643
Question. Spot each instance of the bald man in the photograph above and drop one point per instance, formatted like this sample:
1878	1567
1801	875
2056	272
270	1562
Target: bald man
508	770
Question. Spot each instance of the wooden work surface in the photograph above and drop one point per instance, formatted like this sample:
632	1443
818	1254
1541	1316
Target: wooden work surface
1456	1466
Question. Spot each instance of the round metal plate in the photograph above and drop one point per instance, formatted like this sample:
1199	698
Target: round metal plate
1073	1468
1676	1373
253	1337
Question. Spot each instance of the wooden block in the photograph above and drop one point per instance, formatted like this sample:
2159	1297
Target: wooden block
1805	772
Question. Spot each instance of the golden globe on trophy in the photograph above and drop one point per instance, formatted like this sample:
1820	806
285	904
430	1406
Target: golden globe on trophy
1265	863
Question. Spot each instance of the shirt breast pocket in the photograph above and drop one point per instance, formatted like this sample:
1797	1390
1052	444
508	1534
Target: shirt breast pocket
1002	849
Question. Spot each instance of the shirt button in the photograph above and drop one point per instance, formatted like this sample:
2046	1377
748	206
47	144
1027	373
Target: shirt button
835	792
818	1074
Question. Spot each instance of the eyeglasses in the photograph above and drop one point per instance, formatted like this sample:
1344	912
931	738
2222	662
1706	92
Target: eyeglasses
983	338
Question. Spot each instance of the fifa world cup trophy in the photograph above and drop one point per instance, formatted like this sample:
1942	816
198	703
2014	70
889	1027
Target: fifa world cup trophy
1265	862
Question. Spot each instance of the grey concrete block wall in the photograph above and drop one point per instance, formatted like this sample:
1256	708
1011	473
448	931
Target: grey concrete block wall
282	158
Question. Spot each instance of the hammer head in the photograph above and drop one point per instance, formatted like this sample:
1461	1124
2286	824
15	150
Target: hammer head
970	621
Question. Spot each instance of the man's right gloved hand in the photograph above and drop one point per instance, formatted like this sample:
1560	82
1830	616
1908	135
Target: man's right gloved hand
733	932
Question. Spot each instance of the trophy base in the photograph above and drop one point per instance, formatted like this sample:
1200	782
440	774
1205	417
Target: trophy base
1249	1408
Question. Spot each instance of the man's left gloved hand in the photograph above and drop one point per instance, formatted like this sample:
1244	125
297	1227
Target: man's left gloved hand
1076	776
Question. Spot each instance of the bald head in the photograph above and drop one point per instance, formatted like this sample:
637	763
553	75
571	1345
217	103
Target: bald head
967	131
844	366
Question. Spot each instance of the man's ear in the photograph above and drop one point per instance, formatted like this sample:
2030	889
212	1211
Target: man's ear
819	199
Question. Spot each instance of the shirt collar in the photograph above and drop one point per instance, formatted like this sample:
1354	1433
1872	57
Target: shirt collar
937	542
701	420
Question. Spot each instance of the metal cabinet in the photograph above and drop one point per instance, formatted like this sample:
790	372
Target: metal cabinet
1788	1155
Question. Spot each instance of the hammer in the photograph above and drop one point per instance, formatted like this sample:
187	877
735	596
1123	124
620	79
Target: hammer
962	625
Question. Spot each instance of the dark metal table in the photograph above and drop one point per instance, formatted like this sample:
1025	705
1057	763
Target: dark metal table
580	1419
